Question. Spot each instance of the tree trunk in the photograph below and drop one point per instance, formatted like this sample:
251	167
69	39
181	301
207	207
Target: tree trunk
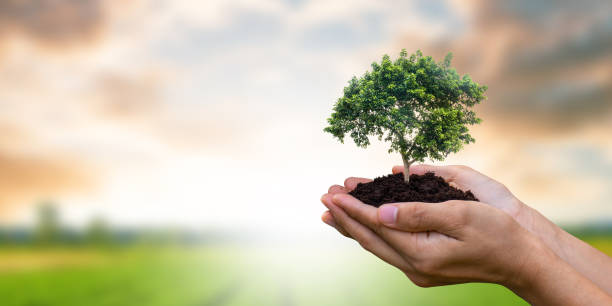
407	164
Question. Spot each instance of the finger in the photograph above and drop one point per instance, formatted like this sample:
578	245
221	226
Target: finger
396	236
397	169
458	176
352	182
326	199
417	228
367	238
328	219
368	216
465	178
337	189
362	213
400	169
446	172
447	217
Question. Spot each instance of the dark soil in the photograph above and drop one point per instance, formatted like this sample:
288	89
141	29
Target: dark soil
427	188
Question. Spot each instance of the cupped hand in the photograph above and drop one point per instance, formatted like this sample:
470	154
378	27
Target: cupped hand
573	256
486	189
440	243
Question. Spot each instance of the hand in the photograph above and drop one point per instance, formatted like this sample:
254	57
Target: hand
439	243
483	187
590	262
461	241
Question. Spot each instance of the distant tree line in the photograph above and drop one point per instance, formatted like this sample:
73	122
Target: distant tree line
49	231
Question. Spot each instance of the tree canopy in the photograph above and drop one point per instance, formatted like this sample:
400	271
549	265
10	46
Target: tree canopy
423	108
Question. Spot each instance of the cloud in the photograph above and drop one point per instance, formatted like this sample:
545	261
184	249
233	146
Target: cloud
544	61
249	83
123	97
27	178
51	23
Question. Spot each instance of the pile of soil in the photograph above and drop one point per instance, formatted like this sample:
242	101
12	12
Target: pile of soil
427	188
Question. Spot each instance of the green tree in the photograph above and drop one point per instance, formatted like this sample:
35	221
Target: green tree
3	236
48	229
98	232
421	107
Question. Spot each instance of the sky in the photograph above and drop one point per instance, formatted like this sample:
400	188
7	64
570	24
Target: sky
209	114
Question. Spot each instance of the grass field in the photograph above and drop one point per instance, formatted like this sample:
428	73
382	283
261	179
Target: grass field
223	275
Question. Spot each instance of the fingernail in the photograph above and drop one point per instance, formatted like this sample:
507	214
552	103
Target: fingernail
388	214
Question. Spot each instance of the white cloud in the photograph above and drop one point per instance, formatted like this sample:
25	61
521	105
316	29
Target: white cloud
243	91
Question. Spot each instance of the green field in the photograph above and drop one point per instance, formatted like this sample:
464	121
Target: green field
223	275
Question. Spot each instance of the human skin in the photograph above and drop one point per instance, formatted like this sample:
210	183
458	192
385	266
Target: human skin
515	239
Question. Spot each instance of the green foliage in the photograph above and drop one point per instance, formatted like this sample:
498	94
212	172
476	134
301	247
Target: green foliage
421	107
48	229
98	232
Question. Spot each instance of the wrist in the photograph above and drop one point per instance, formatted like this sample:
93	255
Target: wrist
533	272
525	216
574	253
527	265
549	233
543	278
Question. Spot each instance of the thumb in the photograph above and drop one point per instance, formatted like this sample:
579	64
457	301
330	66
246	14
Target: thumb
446	217
449	173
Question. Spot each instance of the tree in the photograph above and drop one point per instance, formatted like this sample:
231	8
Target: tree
48	229
98	232
421	107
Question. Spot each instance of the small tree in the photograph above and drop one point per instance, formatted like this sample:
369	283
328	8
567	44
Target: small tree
98	232
421	107
48	229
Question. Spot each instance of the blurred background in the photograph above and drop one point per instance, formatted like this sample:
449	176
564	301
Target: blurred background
172	153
